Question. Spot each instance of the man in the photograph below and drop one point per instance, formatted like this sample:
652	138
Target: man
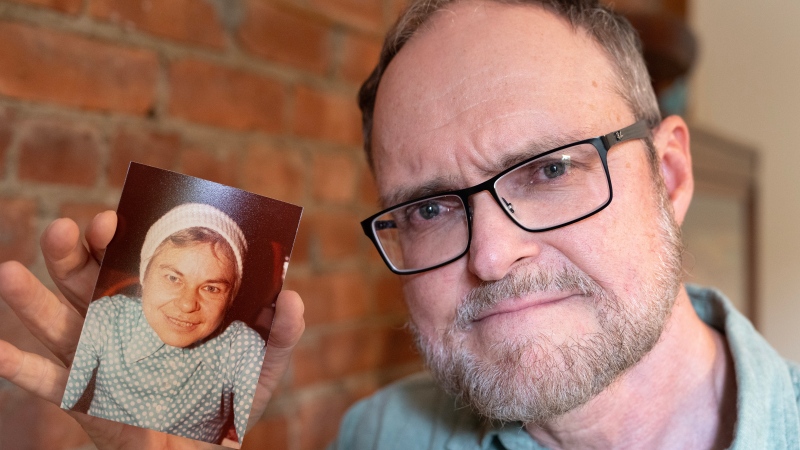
566	333
550	315
164	361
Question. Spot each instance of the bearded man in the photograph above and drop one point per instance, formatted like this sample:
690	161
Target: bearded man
550	315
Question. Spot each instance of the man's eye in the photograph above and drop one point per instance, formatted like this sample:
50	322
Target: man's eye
556	169
429	210
172	279
424	213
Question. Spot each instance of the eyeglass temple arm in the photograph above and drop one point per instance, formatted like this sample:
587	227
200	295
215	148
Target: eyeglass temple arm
384	224
639	130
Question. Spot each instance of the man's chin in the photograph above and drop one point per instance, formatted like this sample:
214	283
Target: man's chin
531	338
529	378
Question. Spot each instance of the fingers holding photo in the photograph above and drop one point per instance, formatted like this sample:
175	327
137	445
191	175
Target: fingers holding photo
184	296
72	266
287	328
52	322
33	373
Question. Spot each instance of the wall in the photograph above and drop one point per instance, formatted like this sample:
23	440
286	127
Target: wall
746	86
258	95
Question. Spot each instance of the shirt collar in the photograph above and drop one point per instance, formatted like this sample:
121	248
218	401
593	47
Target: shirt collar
766	403
511	435
144	340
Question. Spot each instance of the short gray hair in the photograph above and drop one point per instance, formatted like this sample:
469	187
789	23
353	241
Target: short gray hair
610	30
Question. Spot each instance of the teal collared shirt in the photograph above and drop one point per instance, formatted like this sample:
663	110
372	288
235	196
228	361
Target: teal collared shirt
139	380
414	414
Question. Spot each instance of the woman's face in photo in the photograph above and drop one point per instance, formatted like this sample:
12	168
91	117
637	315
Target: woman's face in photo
186	292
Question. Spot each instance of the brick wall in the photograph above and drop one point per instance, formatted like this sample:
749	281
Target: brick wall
254	94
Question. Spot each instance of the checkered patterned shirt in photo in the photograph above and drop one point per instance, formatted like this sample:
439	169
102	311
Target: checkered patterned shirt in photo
143	382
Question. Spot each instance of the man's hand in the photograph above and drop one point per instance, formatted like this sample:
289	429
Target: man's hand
73	266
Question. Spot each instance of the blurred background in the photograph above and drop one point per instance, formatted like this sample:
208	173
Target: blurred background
261	95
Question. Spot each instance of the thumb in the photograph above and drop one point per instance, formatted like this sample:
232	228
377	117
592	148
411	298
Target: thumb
287	328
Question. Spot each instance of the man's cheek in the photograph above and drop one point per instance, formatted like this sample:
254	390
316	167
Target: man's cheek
418	304
431	304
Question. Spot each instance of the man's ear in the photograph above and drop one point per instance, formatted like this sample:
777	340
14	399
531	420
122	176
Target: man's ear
671	140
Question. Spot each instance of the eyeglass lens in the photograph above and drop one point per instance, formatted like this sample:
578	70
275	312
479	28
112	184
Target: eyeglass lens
546	192
423	234
555	189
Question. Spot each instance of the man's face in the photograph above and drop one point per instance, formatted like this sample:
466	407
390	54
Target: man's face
559	313
186	292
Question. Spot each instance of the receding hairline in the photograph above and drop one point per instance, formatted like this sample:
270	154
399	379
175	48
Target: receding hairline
603	72
610	33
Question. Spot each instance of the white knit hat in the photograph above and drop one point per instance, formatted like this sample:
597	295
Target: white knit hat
191	215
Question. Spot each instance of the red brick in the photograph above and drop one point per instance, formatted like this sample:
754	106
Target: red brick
269	433
6	128
367	189
203	163
388	295
326	116
398	7
334	177
320	416
82	213
143	146
58	152
66	6
360	57
214	95
51	66
182	20
286	37
362	14
18	230
332	298
274	173
301	252
337	235
344	353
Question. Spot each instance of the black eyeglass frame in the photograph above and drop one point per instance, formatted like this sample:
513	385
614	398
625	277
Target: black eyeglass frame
602	144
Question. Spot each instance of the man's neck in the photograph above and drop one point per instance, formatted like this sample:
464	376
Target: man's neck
680	395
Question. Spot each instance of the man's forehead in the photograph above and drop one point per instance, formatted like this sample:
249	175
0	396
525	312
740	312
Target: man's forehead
441	182
481	85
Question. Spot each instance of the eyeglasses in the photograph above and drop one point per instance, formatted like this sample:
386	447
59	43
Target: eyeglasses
550	190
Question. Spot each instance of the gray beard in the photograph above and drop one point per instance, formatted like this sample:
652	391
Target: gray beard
533	379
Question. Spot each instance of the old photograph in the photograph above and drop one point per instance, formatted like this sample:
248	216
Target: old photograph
175	337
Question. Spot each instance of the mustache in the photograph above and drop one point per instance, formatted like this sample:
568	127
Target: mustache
519	283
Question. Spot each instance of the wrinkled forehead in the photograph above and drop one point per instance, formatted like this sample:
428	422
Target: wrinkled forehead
482	79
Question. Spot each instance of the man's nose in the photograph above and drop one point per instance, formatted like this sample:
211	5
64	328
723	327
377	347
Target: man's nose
188	302
498	244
